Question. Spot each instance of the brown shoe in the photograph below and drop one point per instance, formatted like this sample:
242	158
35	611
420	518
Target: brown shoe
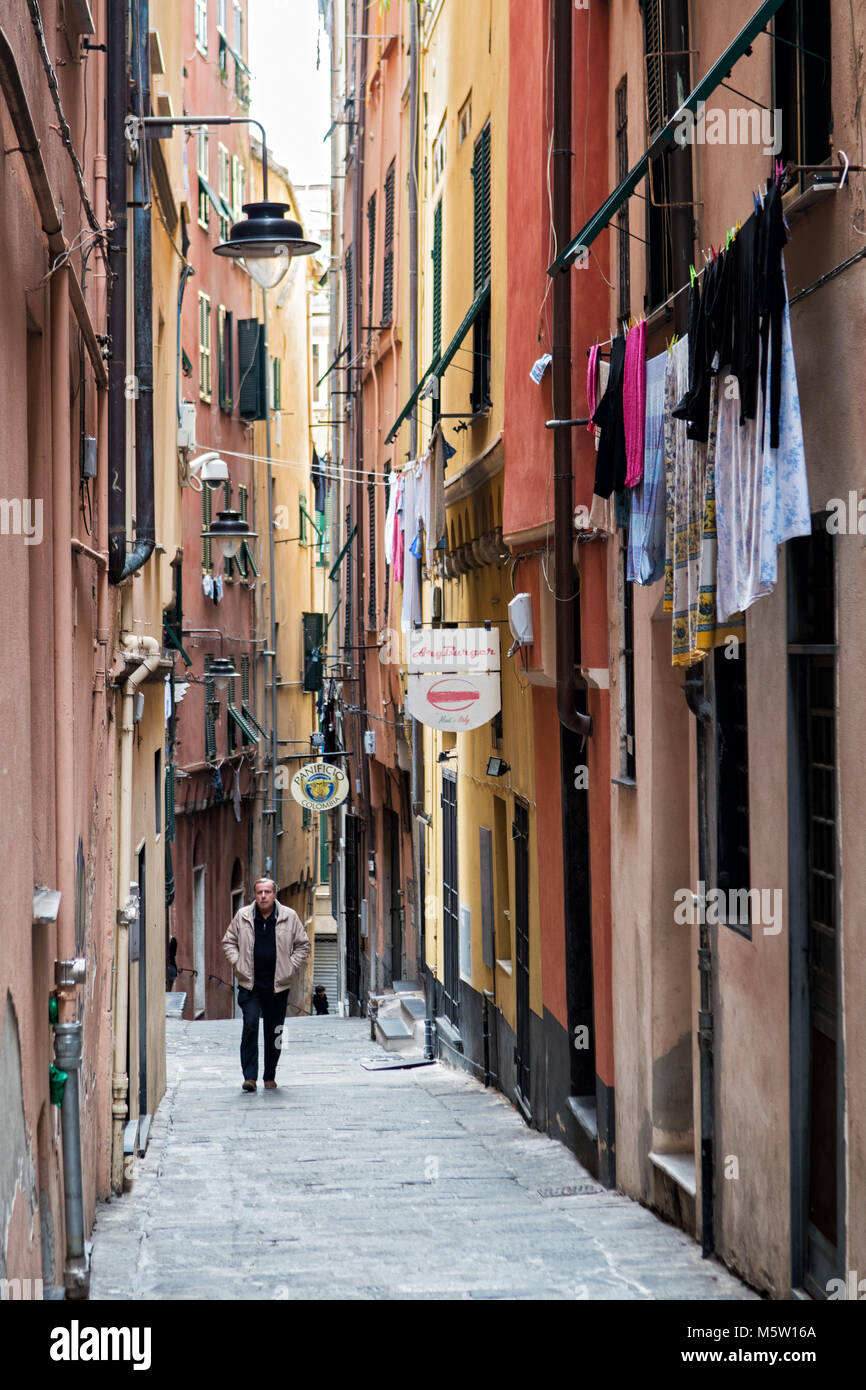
270	1085
250	1086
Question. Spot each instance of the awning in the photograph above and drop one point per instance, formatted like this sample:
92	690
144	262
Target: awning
341	353
717	74
439	364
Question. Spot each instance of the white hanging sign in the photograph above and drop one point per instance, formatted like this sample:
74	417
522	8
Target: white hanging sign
320	786
453	680
452	649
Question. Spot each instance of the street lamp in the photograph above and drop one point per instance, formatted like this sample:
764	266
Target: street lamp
229	530
265	241
221	672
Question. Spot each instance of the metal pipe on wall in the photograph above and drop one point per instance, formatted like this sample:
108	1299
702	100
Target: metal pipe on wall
563	468
117	257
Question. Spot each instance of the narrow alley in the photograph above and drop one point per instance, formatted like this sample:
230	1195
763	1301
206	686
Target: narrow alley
347	1183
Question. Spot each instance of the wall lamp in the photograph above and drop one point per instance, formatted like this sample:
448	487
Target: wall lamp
497	767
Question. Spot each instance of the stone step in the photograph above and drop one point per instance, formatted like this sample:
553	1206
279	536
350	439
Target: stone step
394	1035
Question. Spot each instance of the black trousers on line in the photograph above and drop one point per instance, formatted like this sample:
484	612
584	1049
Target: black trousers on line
258	1003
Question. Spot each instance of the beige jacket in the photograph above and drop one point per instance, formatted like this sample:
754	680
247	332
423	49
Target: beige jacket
293	945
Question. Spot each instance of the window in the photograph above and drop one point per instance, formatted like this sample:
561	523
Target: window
464	120
371	258
204	376
221	16
206	542
733	772
201	25
482	256
659	275
622	216
437	280
440	150
157	791
801	60
225	359
627	726
302	519
239	30
388	264
224	189
202	166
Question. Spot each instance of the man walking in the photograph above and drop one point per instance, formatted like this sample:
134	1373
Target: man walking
265	944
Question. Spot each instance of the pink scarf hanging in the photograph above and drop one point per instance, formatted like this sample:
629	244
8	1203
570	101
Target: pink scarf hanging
634	402
592	384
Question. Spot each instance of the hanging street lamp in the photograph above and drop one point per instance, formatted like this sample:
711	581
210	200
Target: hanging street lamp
265	241
229	530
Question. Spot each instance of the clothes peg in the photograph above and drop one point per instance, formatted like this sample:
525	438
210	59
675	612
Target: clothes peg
692	275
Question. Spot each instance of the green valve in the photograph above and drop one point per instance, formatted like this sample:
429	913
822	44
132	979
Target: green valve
57	1083
52	1009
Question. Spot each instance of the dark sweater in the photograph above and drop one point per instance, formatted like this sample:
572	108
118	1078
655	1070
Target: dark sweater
264	948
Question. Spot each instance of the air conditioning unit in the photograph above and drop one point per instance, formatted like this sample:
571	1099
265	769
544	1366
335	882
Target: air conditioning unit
186	428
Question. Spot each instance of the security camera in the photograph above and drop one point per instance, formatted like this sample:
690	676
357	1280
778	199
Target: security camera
209	469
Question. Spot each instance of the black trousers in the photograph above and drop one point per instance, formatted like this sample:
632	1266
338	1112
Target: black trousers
258	1003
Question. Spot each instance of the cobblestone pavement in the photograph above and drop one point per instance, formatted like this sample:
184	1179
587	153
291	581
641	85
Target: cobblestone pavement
345	1183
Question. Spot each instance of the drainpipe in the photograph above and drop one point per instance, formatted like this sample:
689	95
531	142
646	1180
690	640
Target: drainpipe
146	651
563	470
117	259
145	532
699	680
417	728
69	972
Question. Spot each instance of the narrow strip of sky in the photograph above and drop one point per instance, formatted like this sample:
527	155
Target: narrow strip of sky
290	96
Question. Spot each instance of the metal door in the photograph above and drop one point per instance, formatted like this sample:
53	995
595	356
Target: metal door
450	899
520	836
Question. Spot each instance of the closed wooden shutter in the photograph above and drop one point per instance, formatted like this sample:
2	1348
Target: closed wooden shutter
437	280
252	392
481	180
388	264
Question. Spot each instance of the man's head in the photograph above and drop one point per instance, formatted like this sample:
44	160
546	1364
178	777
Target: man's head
266	894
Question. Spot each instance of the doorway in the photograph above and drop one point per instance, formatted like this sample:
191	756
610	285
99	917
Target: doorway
142	983
198	989
520	835
817	1061
450	900
393	898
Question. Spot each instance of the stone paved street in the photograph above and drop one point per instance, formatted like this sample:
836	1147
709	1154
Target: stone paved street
345	1183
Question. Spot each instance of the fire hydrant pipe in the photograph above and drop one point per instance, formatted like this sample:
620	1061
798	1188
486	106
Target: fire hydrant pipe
147	652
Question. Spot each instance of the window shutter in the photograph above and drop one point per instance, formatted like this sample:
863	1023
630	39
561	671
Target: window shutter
314	631
211	705
437	280
371	256
350	298
252	392
348	632
481	178
388	266
371	551
169	802
206	543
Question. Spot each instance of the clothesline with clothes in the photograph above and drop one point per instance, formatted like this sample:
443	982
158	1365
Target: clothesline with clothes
702	446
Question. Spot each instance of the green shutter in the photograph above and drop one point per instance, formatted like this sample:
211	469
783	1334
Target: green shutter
211	705
388	263
206	544
371	256
252	382
437	280
481	180
169	802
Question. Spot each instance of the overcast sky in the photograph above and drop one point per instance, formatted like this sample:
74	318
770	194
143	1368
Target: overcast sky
289	96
